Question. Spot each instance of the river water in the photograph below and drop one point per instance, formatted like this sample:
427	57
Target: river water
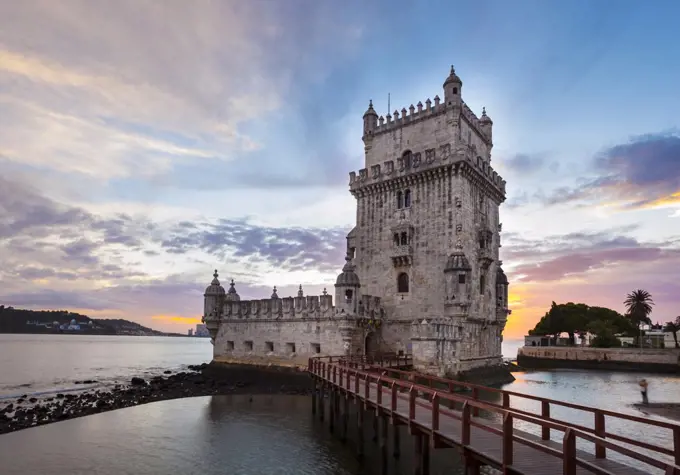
231	434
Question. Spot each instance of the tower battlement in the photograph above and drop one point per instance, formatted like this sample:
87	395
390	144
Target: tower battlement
427	161
419	113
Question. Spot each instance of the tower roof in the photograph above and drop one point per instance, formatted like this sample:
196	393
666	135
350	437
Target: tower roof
457	262
501	278
453	78
485	119
370	110
232	296
215	288
348	278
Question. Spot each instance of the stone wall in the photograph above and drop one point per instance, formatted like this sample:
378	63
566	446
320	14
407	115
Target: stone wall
284	342
616	359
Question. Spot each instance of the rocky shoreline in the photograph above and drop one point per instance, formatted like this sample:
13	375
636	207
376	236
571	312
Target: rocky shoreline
202	380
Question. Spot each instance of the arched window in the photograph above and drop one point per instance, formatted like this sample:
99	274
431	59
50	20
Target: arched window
404	239
400	200
406	157
348	295
396	239
402	283
455	91
482	284
407	198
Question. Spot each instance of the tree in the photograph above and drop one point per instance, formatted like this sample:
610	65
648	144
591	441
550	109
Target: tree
604	332
673	327
570	318
639	305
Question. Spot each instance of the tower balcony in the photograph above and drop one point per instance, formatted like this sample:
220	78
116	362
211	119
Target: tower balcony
485	258
402	256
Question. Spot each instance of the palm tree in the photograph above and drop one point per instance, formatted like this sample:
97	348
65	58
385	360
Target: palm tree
639	305
673	327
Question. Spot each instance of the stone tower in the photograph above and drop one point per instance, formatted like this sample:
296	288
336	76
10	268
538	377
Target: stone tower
427	234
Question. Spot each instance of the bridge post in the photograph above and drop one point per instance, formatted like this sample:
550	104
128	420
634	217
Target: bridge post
360	432
322	402
472	465
418	459
396	450
345	417
569	452
375	425
384	456
426	455
314	382
600	431
331	408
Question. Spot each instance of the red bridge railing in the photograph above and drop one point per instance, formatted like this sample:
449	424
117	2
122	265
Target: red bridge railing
430	392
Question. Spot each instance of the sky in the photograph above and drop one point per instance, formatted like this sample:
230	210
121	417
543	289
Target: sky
144	144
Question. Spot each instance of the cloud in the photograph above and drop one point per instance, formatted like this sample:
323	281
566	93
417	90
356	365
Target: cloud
596	268
643	173
292	248
526	164
553	258
137	90
59	256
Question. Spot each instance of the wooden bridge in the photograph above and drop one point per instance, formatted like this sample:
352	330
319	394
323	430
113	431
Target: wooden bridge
443	413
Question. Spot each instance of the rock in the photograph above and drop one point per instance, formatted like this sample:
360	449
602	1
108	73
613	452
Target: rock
137	381
33	400
167	372
20	400
60	396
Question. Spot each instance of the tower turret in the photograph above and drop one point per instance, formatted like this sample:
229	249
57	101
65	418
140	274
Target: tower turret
486	124
457	274
232	296
370	121
212	299
347	288
501	291
453	88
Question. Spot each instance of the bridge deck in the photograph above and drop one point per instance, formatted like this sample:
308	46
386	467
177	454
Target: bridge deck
499	445
489	445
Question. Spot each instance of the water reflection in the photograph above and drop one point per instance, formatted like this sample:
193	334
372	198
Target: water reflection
208	435
601	389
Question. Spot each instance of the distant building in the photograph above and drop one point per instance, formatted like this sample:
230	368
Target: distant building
202	331
190	332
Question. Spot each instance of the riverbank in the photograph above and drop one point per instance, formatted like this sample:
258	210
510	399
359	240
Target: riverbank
202	380
662	361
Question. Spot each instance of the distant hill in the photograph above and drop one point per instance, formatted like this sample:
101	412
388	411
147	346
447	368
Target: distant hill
16	320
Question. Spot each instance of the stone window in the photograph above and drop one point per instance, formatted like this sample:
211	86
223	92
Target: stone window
470	137
402	283
230	345
400	200
407	199
404	239
290	348
348	295
461	278
396	239
406	157
454	91
316	348
269	346
352	252
248	345
482	284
